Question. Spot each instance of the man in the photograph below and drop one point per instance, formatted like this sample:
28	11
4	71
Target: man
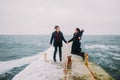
57	37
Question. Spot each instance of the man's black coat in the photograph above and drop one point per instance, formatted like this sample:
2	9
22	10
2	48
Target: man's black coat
53	38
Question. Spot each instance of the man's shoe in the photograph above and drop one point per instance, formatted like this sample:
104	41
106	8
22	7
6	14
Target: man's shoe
60	59
55	61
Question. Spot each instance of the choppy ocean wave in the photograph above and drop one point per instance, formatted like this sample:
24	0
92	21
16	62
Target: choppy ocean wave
17	51
105	47
9	65
116	58
114	54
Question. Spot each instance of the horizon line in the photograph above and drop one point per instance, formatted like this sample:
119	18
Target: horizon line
67	34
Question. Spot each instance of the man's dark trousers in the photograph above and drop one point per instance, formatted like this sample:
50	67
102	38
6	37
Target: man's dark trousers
60	53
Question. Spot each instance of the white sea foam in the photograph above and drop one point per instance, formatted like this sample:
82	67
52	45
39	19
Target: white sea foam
113	54
8	65
116	58
41	70
101	47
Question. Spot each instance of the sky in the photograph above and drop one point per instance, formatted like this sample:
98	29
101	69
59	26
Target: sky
96	17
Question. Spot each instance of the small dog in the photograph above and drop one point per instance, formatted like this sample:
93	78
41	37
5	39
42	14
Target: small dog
69	62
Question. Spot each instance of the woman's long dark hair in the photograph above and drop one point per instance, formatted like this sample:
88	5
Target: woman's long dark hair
78	30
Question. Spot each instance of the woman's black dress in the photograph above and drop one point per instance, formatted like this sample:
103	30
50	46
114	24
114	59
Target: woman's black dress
76	45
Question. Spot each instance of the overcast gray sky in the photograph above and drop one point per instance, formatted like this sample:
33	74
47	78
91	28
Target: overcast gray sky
96	17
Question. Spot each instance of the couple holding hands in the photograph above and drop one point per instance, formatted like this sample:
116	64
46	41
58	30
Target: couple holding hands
57	38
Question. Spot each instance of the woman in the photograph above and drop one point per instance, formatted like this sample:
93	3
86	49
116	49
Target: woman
76	45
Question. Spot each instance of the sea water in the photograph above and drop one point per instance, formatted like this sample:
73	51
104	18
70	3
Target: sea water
18	51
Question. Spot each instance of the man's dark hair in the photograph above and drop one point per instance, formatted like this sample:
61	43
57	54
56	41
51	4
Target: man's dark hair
56	26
